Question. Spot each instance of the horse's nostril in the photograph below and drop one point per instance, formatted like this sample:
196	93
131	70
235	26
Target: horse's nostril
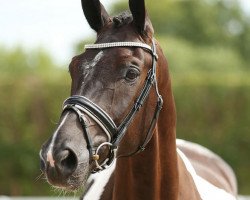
68	161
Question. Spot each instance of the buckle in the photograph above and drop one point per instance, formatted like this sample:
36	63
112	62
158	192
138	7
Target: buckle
108	161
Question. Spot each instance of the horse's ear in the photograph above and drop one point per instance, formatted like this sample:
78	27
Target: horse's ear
95	14
138	10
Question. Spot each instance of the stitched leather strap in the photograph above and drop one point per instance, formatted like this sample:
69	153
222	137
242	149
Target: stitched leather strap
83	106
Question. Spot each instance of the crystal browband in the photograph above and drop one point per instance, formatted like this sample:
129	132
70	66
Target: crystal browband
117	44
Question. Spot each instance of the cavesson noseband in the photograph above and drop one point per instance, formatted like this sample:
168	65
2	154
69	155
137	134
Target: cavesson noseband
83	106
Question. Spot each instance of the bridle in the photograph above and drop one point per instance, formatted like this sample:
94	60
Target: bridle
83	106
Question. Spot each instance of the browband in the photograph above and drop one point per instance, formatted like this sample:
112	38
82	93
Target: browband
121	44
117	44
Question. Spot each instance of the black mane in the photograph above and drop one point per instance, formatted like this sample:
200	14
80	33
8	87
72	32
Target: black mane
122	19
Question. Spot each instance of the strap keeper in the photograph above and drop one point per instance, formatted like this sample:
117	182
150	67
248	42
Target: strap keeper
114	147
155	55
141	148
160	102
150	78
138	104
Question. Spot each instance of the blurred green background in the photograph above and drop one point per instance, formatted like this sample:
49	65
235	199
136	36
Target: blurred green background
207	44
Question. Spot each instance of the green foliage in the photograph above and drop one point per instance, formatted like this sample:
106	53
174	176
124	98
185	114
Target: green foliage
184	56
217	116
31	91
212	107
79	47
17	62
207	46
201	22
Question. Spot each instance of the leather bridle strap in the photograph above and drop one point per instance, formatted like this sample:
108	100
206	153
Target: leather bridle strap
94	111
83	123
151	79
83	106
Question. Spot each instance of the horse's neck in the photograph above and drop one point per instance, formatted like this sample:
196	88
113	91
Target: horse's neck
157	172
148	175
154	173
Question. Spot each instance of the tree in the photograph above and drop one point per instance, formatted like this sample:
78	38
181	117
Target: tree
31	90
201	22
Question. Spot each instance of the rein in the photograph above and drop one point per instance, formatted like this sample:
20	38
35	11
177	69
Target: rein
83	106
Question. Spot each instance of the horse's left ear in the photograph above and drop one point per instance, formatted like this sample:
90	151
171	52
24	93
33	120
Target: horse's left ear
138	10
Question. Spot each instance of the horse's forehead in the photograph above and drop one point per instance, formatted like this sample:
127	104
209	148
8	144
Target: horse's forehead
111	35
92	62
108	57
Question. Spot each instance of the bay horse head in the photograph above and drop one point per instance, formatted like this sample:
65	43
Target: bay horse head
116	110
115	101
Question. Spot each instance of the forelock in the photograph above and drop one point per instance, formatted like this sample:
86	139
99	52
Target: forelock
122	19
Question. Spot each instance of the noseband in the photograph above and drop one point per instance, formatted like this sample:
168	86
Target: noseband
83	106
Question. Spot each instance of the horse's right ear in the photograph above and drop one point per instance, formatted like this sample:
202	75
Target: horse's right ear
95	14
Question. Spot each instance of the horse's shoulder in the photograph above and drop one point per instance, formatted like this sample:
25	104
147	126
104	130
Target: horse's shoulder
212	172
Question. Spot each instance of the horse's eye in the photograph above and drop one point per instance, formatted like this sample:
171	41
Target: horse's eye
132	74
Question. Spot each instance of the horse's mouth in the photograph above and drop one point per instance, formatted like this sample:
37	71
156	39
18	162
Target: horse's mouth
70	183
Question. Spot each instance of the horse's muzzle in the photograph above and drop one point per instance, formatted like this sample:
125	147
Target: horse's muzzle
58	165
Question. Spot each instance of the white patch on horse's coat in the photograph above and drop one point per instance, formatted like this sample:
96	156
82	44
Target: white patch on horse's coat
201	150
100	181
89	65
50	158
206	190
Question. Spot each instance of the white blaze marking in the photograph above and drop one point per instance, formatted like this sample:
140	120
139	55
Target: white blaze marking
50	158
93	62
100	181
96	59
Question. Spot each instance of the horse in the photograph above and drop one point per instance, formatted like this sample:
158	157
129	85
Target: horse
117	131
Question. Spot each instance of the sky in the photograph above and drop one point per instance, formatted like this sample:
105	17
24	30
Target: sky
55	25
